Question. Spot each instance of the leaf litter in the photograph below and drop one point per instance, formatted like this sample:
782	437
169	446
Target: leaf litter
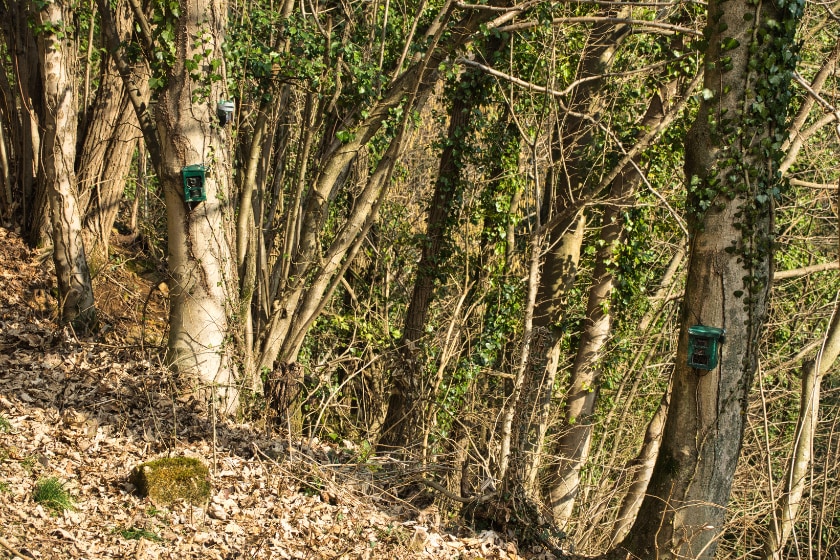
86	412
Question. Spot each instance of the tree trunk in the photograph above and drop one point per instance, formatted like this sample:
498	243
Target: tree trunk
282	335
571	139
58	65
108	148
572	447
25	135
641	470
408	392
732	157
203	284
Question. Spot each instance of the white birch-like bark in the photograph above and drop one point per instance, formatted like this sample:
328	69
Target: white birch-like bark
57	52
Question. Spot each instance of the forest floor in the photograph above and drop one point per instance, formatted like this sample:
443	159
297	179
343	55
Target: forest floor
87	410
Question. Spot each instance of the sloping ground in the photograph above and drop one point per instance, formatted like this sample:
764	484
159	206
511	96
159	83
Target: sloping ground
87	411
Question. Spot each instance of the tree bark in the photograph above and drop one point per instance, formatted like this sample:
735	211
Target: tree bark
281	336
573	446
108	148
563	191
408	392
58	67
732	179
202	273
26	121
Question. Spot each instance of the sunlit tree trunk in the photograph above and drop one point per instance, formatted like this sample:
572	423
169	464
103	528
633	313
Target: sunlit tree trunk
203	284
562	191
58	66
732	157
572	448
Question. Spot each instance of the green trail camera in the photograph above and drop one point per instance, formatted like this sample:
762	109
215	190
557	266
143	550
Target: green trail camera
194	176
703	346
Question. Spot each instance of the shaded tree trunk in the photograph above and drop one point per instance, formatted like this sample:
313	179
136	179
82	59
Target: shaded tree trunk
25	102
408	392
108	148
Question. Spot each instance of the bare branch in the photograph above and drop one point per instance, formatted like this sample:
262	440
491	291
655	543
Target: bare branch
805	270
645	24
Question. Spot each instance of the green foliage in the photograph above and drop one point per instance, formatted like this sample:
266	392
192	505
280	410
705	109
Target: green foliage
52	494
5	425
135	534
165	14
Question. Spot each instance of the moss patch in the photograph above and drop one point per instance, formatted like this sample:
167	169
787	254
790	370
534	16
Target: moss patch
173	479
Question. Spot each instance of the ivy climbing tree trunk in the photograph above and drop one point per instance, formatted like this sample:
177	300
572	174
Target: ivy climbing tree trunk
732	158
408	388
572	447
58	65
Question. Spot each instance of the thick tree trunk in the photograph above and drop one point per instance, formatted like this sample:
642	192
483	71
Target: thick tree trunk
400	427
732	155
203	284
107	150
58	66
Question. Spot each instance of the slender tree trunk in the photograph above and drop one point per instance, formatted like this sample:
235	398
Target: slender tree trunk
27	94
414	84
408	392
58	65
787	508
732	176
641	470
562	192
575	440
5	177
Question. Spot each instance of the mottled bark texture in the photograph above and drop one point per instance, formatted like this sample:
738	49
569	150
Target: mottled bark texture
202	273
107	149
58	71
732	157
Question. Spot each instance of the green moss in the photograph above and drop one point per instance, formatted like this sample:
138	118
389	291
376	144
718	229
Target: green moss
173	479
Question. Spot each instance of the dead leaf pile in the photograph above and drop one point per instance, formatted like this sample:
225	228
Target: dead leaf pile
86	412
